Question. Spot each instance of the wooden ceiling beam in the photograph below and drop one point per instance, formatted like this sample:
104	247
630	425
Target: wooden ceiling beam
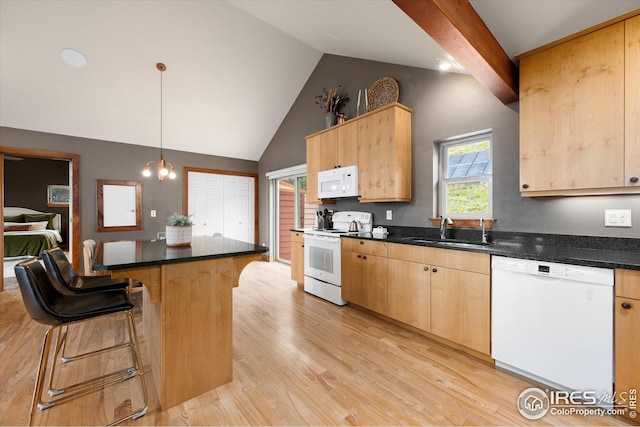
459	30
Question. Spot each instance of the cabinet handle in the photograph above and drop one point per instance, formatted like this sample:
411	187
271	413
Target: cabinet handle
359	256
364	257
525	186
435	270
633	179
425	268
361	242
626	305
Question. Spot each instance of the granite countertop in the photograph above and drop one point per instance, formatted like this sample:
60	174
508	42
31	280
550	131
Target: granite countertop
115	255
605	252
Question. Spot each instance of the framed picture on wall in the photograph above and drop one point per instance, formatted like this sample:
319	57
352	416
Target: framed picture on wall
57	195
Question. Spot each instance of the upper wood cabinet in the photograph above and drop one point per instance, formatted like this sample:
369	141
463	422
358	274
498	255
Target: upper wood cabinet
580	114
314	154
572	114
384	155
378	142
632	103
339	148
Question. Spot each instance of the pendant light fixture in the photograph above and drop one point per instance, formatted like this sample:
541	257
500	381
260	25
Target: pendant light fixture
162	164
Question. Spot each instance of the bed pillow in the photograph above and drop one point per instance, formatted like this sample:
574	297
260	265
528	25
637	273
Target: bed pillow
16	226
38	226
14	218
41	217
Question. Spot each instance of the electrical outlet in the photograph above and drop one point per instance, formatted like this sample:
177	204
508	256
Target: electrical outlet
617	217
389	214
153	213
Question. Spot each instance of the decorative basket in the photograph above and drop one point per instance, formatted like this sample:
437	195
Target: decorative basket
382	92
179	235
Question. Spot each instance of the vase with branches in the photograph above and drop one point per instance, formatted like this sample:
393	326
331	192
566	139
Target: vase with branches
331	100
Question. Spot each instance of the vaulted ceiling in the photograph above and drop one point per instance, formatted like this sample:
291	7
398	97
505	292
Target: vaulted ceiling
234	68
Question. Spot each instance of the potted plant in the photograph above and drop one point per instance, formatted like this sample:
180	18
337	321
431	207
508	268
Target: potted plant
179	230
331	101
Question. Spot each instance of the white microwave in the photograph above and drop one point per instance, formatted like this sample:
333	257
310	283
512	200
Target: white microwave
339	182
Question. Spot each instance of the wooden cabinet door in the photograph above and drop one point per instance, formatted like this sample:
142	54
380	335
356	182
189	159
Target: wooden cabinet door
409	293
572	114
352	277
374	283
376	154
627	343
314	154
460	307
632	102
384	155
329	156
347	144
297	256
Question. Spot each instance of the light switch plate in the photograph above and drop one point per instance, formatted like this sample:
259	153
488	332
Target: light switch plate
617	217
389	214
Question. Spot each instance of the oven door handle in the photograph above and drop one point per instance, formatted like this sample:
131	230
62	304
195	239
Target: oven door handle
325	239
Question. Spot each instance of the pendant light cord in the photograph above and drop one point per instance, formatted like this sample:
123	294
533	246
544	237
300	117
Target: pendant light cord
161	70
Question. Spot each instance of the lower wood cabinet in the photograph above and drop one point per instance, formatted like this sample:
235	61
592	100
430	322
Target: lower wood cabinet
297	256
627	339
460	307
364	274
441	291
409	293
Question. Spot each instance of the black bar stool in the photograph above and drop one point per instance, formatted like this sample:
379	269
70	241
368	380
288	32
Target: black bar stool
67	281
48	306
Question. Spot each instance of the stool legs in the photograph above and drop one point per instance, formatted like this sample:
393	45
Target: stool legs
65	394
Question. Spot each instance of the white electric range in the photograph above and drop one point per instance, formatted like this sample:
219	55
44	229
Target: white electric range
323	257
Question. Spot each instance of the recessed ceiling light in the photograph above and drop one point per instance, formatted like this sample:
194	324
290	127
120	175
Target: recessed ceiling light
445	64
73	58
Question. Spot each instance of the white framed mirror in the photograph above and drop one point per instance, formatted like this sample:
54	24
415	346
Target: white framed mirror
119	205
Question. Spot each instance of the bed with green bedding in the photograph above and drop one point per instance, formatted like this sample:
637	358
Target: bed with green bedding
28	232
28	243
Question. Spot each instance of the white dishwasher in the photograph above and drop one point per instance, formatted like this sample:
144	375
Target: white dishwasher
553	323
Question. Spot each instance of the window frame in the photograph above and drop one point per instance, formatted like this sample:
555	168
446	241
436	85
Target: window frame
443	181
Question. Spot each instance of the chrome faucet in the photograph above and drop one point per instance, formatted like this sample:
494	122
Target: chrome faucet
484	233
443	226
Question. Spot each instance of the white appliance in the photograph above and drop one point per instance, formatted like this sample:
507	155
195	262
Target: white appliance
323	255
338	182
553	323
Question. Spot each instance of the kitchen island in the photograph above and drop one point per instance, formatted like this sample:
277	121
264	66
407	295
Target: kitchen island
187	307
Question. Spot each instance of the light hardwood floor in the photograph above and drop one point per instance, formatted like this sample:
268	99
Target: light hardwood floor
298	360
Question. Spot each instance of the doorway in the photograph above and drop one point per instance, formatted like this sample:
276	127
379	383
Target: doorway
288	208
74	202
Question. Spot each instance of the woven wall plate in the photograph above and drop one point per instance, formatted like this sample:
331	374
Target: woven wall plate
382	92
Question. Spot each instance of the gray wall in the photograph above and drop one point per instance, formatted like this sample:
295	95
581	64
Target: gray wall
444	105
111	160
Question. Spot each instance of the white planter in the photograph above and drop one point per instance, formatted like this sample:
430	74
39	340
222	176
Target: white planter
179	235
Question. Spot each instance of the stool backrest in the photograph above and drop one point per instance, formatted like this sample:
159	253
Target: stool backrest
88	252
38	293
59	269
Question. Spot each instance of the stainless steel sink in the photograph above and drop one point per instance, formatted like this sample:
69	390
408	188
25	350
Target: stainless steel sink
448	242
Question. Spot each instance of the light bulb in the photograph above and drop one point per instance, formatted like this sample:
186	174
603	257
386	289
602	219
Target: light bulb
146	172
172	173
164	172
445	65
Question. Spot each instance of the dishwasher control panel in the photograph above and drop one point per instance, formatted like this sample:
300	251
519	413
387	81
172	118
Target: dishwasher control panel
555	270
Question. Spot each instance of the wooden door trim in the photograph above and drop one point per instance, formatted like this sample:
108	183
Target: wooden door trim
75	194
185	191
